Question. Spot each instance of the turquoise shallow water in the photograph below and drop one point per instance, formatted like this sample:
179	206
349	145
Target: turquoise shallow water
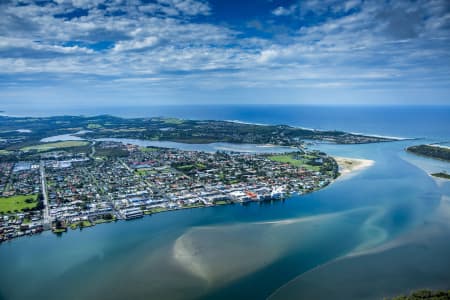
390	221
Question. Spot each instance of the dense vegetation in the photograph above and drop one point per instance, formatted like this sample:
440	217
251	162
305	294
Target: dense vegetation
431	151
310	161
26	132
441	175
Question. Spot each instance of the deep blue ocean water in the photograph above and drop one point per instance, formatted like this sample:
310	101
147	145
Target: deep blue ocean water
381	232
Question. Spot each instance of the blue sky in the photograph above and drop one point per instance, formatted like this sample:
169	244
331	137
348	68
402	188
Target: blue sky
136	52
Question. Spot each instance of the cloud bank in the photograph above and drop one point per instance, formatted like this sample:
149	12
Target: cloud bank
181	50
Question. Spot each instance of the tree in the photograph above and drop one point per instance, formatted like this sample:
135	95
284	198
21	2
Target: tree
58	224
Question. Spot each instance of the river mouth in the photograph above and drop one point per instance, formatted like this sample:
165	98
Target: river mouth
225	252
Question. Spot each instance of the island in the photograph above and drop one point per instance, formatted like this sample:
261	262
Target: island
433	151
61	185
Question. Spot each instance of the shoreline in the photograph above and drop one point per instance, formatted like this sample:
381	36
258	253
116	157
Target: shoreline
394	138
350	166
439	146
347	168
378	136
427	164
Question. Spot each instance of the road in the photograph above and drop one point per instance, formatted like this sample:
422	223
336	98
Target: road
152	186
47	222
92	155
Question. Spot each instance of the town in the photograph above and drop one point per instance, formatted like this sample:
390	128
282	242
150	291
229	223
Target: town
110	181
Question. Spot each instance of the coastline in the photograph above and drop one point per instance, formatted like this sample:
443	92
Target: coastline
428	155
347	168
394	138
439	146
350	166
428	165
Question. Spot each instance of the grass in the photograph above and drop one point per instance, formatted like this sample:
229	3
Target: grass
141	172
289	159
173	121
185	167
101	221
86	224
123	130
221	202
94	126
200	166
17	203
194	205
56	145
148	149
4	152
81	224
156	210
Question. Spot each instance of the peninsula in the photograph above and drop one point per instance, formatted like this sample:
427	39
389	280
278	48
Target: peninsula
19	132
432	151
86	181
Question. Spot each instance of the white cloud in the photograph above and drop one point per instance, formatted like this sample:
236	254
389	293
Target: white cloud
188	7
162	40
136	44
283	11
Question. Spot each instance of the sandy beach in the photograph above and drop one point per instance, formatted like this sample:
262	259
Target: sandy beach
349	166
439	146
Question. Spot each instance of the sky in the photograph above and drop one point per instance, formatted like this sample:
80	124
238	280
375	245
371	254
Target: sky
162	52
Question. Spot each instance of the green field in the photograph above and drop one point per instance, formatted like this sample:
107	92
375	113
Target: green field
221	202
148	149
144	172
289	159
17	203
56	145
174	121
94	126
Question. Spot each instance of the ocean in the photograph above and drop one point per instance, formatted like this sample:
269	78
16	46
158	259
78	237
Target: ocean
378	233
403	121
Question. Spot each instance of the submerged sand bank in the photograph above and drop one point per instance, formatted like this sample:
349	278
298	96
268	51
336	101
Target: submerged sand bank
415	260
